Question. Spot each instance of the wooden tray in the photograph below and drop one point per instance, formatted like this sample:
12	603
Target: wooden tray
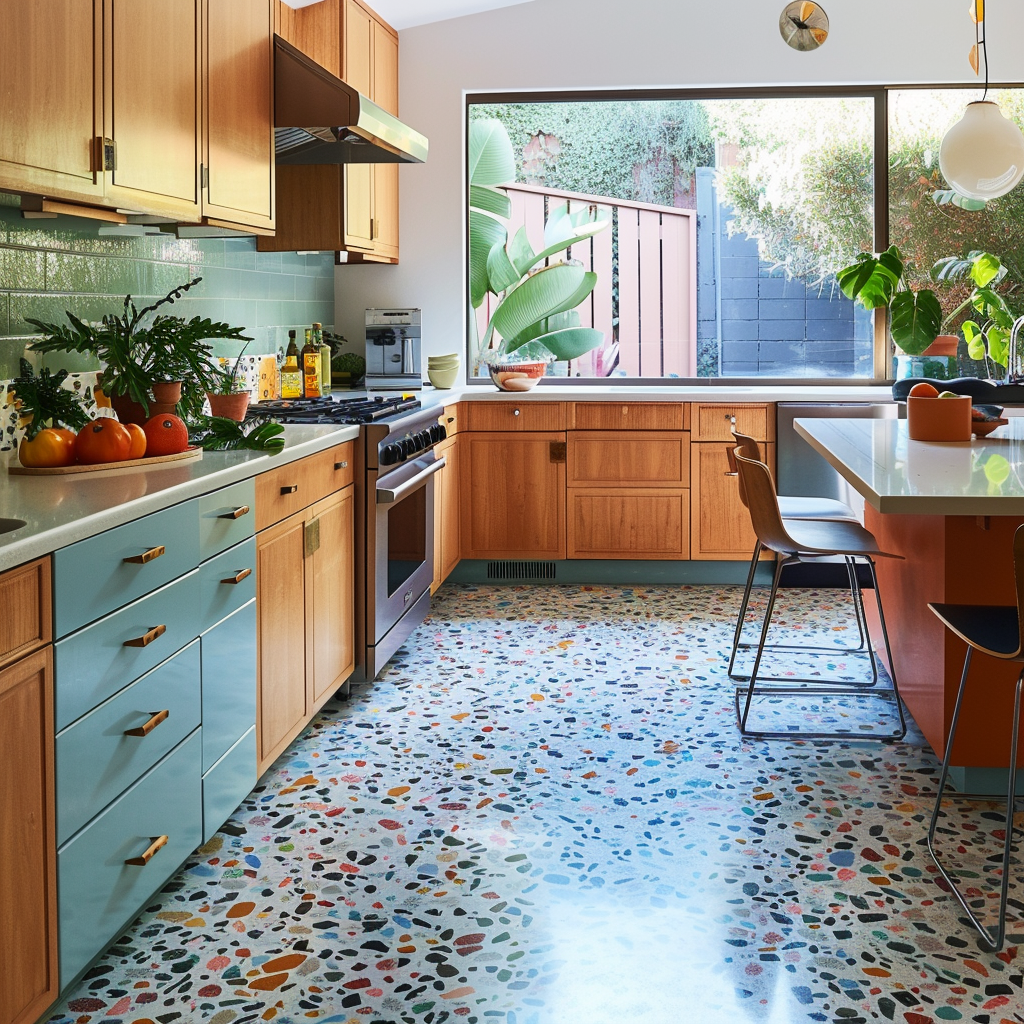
16	469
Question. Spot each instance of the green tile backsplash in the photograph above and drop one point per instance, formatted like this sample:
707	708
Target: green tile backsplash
49	266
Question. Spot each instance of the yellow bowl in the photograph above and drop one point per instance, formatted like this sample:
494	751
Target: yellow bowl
442	379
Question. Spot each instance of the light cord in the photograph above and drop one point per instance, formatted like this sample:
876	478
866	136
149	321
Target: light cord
979	35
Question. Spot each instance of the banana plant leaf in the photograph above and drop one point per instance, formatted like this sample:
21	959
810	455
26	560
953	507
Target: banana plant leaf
521	253
914	320
490	200
539	296
491	159
569	304
485	232
556	322
568	344
500	271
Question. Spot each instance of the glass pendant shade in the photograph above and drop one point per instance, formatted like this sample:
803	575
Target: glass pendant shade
982	155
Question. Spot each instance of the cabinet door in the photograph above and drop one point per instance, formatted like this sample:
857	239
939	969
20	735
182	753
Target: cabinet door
281	636
719	522
357	232
628	523
358	38
238	138
51	109
513	495
28	889
151	71
358	226
331	583
385	176
447	533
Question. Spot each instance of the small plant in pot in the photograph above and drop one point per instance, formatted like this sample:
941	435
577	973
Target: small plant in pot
229	398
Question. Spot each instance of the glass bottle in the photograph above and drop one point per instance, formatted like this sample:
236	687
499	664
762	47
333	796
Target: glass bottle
325	358
310	367
291	374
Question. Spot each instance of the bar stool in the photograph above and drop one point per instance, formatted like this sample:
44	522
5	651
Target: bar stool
801	541
800	508
997	631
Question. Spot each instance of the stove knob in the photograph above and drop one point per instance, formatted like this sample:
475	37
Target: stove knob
408	447
390	454
438	433
424	439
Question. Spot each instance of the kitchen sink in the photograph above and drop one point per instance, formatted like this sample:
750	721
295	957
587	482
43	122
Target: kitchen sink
7	525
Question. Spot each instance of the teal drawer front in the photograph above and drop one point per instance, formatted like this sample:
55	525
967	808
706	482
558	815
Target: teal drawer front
97	892
91	578
94	663
229	682
227	582
228	783
226	517
96	760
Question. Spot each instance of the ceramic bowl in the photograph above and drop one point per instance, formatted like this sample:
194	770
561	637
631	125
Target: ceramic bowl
982	428
517	376
444	364
449	357
443	378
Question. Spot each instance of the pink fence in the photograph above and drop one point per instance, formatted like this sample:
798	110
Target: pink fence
650	326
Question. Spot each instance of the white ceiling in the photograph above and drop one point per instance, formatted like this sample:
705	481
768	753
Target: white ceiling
407	13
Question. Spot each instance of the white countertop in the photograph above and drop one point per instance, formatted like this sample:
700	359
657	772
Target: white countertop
719	392
895	474
59	510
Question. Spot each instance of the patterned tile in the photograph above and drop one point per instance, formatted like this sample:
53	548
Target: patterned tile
542	813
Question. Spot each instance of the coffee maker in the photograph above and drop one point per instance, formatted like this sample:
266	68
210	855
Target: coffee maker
393	349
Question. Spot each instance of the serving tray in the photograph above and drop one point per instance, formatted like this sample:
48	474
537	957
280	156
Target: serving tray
16	469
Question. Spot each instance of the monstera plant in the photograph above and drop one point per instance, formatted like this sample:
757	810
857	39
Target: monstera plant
534	316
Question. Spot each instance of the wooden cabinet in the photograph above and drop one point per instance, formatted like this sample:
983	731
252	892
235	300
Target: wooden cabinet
305	615
28	879
447	513
513	495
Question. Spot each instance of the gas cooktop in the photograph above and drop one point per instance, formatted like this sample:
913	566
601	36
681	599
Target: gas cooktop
330	410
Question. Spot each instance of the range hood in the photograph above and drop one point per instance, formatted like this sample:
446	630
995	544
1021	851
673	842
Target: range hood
319	119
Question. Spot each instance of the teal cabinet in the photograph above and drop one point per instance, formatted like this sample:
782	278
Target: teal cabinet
227	582
228	783
229	682
226	517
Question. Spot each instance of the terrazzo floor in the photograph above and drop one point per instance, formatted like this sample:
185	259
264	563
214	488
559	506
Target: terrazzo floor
543	814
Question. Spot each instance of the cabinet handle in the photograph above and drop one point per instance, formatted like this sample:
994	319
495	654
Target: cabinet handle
157	844
515	412
451	419
145	730
290	489
238	577
237	513
147	638
340	465
146	556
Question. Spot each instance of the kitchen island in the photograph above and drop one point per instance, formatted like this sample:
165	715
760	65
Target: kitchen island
950	510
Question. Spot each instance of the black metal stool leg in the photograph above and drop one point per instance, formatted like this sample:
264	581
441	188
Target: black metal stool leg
765	625
743	607
888	654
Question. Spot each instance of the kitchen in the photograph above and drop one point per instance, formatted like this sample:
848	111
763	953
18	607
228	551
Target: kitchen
506	49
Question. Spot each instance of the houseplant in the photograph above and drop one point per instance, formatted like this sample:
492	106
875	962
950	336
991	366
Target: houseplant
227	398
137	350
534	319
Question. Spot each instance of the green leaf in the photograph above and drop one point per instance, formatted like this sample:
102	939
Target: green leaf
485	232
490	200
500	271
985	269
572	343
555	322
998	344
914	320
491	158
521	252
974	338
872	280
540	295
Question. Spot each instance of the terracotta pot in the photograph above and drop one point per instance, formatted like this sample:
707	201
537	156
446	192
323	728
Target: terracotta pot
128	410
939	419
166	396
943	345
231	407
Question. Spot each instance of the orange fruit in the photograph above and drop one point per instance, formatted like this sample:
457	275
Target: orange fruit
49	447
103	440
166	434
924	390
138	436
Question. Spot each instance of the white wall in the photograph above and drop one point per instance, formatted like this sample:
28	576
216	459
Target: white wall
580	44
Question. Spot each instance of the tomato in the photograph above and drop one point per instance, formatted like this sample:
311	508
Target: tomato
138	436
922	389
48	448
166	434
103	440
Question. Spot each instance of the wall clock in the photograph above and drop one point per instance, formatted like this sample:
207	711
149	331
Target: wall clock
804	25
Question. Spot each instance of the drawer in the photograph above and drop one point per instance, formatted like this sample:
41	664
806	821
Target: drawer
636	460
26	622
96	662
283	492
638	523
226	583
92	577
96	760
449	419
714	422
228	783
229	682
628	416
98	892
226	517
511	415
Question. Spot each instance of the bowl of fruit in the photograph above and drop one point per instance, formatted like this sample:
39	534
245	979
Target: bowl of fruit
934	415
985	419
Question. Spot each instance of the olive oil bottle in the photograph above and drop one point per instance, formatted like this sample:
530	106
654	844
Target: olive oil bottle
291	375
325	358
310	367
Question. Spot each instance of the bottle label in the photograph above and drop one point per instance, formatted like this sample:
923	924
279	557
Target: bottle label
311	368
291	384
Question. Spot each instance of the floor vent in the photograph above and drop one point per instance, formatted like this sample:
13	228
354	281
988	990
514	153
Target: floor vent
520	570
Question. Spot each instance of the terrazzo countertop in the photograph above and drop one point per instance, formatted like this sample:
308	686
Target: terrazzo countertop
59	510
667	393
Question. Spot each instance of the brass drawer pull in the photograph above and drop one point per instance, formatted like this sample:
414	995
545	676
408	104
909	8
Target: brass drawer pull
340	465
147	638
146	556
236	513
290	489
158	844
238	577
145	730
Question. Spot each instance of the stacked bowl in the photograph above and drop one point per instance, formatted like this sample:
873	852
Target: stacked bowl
442	371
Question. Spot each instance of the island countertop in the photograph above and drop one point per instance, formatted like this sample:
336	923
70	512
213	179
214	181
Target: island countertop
895	474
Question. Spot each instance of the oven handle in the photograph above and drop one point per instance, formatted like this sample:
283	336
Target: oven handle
387	496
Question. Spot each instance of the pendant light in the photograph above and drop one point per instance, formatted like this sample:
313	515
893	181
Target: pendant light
982	155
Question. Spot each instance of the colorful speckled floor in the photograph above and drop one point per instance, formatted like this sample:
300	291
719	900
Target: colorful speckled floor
543	814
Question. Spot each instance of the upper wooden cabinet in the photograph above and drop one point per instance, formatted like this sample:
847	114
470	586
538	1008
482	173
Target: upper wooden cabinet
163	108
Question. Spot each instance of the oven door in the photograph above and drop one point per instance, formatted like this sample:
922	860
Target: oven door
403	549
